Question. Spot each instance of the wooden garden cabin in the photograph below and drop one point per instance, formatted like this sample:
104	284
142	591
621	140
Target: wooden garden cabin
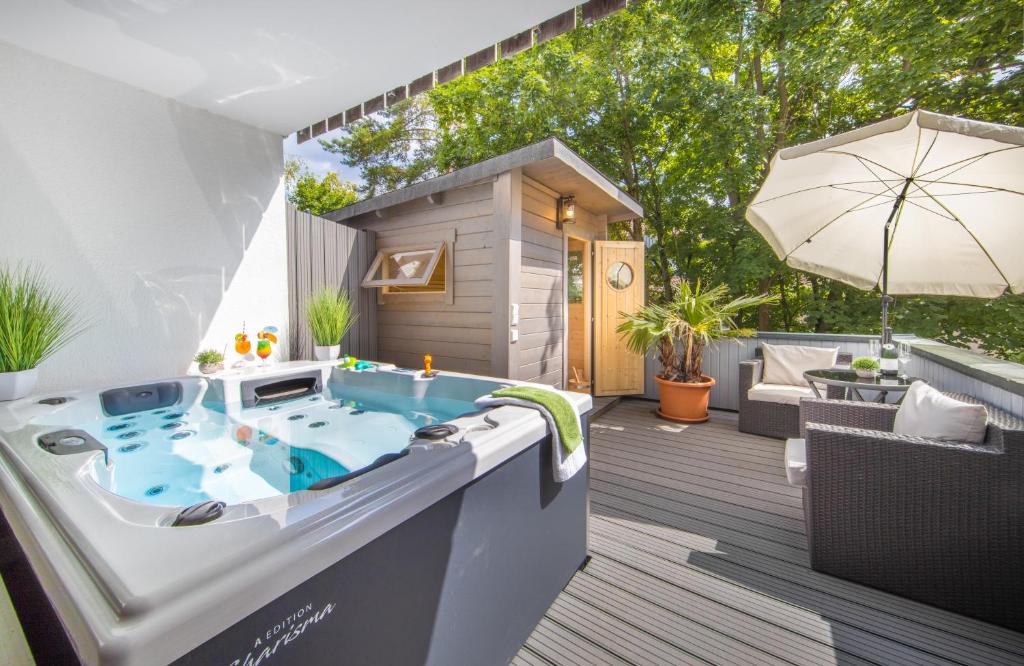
503	268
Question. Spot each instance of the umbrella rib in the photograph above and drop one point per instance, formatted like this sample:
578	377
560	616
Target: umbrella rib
863	163
862	159
816	187
913	203
975	158
857	209
966	163
969	233
851	209
851	189
918	165
829	223
988	188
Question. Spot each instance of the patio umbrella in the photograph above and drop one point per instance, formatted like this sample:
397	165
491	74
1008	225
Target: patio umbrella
918	204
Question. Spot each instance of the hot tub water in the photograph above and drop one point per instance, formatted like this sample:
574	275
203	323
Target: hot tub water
187	454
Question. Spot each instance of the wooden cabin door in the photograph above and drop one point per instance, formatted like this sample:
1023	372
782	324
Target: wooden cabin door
618	287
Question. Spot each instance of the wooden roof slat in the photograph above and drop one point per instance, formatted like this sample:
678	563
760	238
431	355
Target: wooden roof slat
555	26
481	59
397	95
517	43
449	72
421	85
598	9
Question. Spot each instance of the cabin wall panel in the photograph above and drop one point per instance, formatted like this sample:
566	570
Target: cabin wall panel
541	329
458	333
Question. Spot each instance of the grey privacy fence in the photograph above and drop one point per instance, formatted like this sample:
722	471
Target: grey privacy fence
323	253
997	382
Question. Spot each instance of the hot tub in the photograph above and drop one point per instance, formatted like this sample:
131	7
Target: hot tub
300	513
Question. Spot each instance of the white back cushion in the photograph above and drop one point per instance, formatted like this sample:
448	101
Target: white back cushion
927	413
796	462
786	364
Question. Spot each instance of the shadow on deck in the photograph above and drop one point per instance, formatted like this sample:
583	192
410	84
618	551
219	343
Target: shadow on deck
699	556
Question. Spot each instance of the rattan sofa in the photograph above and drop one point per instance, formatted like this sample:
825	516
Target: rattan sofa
938	522
772	419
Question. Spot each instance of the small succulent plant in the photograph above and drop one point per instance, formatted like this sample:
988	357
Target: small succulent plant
209	357
865	363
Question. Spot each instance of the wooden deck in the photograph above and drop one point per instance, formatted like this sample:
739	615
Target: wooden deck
699	556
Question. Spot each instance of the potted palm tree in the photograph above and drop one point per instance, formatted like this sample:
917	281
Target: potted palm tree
36	320
693	319
330	315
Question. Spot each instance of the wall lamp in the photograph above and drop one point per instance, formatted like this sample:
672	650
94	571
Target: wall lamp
566	211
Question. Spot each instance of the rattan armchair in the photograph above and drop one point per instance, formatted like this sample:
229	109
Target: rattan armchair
772	419
938	522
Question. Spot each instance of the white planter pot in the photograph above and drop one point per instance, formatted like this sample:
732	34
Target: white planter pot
326	353
14	385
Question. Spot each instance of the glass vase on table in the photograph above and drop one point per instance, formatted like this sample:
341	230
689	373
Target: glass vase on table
905	355
875	349
889	360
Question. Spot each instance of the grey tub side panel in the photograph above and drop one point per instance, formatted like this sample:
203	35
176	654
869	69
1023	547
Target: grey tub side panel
463	582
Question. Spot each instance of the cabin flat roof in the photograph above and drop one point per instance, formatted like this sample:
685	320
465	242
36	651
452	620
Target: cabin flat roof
549	162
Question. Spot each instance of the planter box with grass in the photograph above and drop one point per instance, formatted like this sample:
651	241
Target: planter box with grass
330	316
36	319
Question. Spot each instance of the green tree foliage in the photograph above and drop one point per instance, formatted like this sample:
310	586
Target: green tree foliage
317	196
684	102
392	149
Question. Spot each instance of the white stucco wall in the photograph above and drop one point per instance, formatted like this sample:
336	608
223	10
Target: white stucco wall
167	221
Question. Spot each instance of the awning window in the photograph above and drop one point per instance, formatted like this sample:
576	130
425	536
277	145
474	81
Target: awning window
420	269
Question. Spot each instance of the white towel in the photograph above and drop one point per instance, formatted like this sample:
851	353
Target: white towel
563	464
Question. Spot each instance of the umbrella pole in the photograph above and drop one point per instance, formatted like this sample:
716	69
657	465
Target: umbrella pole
886	299
886	331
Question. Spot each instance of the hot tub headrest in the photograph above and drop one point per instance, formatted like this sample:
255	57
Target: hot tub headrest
131	399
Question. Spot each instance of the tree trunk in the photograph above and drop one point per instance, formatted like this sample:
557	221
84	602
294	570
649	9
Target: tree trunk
784	303
695	370
763	316
669	359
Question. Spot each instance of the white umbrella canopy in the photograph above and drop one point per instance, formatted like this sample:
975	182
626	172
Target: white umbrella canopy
919	204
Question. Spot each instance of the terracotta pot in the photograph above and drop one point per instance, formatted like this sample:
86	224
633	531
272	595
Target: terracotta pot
684	402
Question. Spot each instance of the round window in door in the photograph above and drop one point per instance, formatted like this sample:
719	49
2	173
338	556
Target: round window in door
619	275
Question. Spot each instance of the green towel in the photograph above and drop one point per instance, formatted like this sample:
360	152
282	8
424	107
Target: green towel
561	409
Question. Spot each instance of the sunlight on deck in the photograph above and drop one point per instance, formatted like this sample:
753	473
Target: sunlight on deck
699	556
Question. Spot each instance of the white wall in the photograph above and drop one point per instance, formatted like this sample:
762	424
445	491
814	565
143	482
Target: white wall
167	221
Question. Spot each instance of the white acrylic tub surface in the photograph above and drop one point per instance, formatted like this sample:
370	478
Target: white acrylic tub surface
131	590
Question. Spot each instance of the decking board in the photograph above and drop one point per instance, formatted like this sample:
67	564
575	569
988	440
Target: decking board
699	557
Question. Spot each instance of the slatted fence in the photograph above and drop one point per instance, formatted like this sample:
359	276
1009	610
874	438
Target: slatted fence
323	253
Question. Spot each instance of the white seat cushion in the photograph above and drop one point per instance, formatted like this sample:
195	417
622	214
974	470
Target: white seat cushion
786	364
796	462
925	412
786	394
